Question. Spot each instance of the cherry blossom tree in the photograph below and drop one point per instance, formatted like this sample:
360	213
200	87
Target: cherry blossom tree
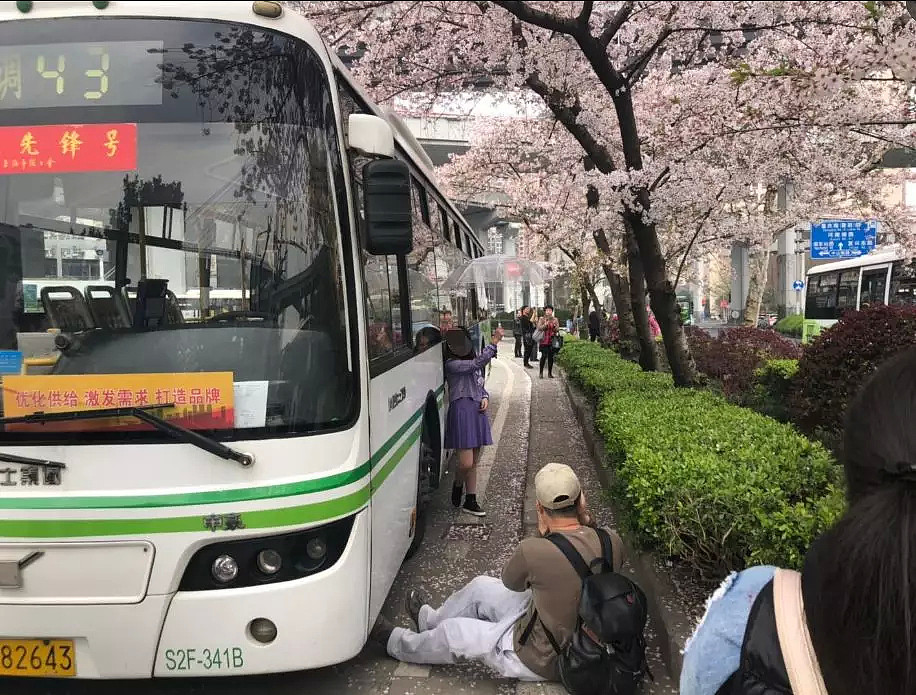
654	91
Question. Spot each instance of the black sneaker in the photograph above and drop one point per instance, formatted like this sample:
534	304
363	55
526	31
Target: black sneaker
381	633
414	601
471	507
457	494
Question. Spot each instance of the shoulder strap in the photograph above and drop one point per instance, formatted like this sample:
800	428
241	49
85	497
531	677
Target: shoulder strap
794	639
526	633
575	559
607	547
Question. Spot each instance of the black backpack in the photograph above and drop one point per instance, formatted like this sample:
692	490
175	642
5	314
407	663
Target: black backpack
607	652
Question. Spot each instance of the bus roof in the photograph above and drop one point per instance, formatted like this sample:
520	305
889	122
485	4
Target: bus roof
876	257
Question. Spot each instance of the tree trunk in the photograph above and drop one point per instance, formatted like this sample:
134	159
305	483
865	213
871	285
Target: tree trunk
756	287
620	291
664	300
648	356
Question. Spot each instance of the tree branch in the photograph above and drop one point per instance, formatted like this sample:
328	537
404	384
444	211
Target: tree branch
680	268
631	68
586	13
538	18
614	25
555	100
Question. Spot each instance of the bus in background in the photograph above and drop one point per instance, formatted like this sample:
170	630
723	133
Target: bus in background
685	305
224	455
884	276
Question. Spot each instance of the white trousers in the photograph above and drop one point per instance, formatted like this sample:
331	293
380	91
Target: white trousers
474	623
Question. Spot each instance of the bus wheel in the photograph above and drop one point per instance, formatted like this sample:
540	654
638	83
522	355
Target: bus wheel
427	468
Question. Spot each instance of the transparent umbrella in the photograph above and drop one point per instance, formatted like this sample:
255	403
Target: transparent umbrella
498	269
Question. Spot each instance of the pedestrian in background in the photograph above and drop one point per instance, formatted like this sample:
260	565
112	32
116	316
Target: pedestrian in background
527	325
594	325
466	425
517	330
549	329
854	605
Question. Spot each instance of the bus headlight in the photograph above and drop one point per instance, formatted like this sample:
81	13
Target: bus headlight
269	561
224	569
273	559
316	549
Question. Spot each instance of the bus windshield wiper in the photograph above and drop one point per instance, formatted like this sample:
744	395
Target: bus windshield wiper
143	414
26	461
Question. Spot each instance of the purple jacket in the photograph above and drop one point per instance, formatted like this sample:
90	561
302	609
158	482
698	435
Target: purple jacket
465	379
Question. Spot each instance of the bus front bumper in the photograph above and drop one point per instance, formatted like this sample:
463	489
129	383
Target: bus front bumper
320	620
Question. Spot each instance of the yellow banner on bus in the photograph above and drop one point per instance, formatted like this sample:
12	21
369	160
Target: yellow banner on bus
196	400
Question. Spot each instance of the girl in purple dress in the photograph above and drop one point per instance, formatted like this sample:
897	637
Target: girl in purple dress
466	426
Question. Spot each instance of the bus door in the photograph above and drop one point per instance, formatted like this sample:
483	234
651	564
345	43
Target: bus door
873	285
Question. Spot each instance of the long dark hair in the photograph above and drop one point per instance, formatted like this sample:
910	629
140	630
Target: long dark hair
860	577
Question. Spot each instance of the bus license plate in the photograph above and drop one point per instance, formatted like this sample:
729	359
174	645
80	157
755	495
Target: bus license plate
45	658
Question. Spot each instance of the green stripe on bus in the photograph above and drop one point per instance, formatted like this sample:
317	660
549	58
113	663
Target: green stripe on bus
184	500
385	470
265	518
220	496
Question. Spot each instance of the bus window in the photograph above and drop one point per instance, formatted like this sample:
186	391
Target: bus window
874	284
420	201
903	284
848	289
239	195
821	301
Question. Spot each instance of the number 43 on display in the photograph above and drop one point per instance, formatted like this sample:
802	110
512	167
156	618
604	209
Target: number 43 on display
100	73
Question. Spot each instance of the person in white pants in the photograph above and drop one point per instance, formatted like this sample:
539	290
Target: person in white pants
507	623
474	623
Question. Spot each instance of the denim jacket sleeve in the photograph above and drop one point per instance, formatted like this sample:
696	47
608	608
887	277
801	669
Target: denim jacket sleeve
471	366
713	653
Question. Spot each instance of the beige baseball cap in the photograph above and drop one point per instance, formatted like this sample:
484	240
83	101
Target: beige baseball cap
556	486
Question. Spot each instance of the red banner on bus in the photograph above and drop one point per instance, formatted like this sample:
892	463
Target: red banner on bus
61	149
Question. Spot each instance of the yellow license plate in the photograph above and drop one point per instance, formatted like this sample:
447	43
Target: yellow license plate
43	658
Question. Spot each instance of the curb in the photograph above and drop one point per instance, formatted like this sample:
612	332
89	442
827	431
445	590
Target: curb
669	624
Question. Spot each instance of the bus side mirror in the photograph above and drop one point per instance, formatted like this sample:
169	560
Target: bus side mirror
370	135
386	185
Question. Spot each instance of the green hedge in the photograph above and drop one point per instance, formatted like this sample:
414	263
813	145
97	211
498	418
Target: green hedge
697	478
770	391
791	325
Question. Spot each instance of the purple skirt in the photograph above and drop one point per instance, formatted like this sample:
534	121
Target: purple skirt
465	426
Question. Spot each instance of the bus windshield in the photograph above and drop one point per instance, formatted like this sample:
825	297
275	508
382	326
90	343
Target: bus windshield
169	228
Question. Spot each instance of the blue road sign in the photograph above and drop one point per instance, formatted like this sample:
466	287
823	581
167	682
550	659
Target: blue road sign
842	238
10	362
798	285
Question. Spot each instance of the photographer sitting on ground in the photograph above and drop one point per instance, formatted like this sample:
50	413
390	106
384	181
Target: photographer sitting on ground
503	622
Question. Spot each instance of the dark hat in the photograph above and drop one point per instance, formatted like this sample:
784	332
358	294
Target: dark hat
459	342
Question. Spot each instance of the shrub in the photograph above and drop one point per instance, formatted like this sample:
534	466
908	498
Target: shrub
841	359
699	479
734	356
772	384
791	325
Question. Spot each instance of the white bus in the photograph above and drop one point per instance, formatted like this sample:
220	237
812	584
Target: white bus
884	276
232	494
